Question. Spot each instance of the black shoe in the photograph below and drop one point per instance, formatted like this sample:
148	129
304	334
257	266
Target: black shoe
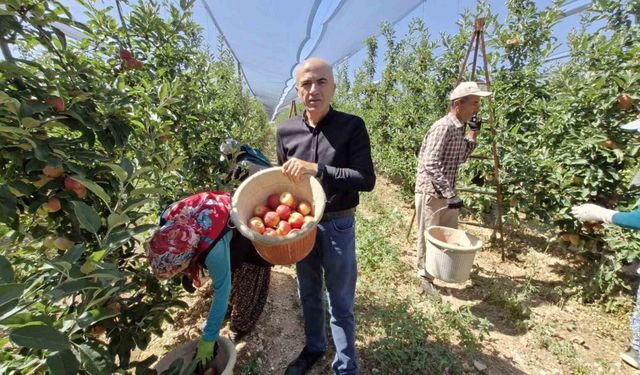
303	363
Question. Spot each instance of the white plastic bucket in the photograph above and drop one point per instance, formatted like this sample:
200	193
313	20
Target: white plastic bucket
224	362
450	253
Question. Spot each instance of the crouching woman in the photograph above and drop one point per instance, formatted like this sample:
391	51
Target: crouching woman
194	236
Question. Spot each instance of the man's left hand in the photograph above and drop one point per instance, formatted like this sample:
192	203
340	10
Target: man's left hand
297	168
475	123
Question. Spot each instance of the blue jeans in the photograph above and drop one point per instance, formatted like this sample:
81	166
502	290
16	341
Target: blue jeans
333	259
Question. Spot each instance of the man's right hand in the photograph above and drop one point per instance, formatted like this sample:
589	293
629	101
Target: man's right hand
455	203
297	168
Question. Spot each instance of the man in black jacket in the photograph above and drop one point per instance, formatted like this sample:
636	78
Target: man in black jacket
334	147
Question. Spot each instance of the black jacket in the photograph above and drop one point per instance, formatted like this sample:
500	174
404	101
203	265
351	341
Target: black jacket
341	142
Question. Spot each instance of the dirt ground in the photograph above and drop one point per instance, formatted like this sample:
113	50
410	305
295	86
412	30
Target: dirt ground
557	336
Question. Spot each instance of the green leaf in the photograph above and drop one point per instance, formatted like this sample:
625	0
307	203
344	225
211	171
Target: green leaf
95	188
87	216
39	337
70	287
29	122
120	173
63	363
97	256
72	255
93	316
146	191
162	92
8	206
95	360
136	204
88	267
10	292
120	237
21	320
12	130
20	188
6	271
115	220
15	70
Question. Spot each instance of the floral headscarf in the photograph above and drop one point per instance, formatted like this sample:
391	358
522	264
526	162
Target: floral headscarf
192	226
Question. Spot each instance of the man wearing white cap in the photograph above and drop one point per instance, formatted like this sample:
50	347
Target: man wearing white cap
594	213
443	149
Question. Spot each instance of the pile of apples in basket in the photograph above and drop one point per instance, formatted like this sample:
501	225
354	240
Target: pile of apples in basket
282	214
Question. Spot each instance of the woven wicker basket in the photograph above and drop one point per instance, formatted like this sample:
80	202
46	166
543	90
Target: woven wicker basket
254	191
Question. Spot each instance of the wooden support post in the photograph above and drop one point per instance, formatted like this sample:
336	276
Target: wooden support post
477	44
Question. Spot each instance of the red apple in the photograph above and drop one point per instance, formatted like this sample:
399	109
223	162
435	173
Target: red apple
259	211
288	199
296	220
283	211
125	54
81	192
273	201
270	232
51	171
72	185
283	228
271	219
256	224
304	208
624	102
52	205
56	103
132	63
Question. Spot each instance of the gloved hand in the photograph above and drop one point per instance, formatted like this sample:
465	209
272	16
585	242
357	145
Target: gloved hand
205	351
475	123
593	212
454	203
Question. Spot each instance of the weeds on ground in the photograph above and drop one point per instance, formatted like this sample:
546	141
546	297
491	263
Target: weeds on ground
512	297
252	365
400	331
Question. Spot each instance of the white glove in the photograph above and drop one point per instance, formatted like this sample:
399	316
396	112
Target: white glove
592	212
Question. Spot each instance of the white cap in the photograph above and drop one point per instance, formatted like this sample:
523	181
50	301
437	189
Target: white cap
466	89
633	125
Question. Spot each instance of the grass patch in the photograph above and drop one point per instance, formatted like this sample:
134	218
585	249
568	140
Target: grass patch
400	331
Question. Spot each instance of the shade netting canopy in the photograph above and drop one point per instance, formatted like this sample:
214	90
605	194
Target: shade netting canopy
268	47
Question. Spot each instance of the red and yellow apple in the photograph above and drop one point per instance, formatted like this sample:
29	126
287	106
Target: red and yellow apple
52	205
271	219
283	211
256	224
304	208
259	211
283	228
296	220
288	199
53	172
56	103
74	186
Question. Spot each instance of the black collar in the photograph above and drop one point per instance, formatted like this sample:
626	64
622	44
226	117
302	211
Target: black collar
325	120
